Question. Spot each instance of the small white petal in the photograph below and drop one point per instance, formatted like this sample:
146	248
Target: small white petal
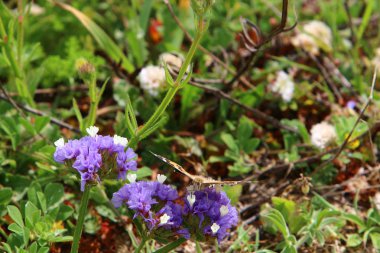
164	219
161	178
60	143
118	140
132	178
223	210
92	131
214	228
191	199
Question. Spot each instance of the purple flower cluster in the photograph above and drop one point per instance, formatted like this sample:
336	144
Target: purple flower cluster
205	214
210	213
152	201
96	155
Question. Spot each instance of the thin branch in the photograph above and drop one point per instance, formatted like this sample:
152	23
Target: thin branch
204	50
326	76
254	46
340	150
40	113
256	113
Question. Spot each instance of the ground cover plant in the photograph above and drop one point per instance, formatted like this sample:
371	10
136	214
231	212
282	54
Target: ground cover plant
189	126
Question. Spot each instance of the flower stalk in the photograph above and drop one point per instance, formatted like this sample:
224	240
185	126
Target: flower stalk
173	88
79	225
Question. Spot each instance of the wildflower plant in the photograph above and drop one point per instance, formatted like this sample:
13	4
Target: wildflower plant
156	209
94	157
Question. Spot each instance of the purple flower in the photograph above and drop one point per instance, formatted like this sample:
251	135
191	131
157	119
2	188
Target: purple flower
209	212
154	203
96	155
351	104
125	161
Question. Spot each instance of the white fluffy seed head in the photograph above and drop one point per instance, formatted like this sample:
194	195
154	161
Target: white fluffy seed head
191	199
92	131
315	35
118	140
161	178
60	143
164	219
223	210
132	178
214	228
284	85
322	135
152	78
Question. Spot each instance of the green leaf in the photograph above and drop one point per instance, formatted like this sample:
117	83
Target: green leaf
233	192
64	212
145	13
42	201
32	214
15	228
43	250
375	238
229	141
366	18
100	36
15	215
171	246
54	193
5	196
353	240
62	239
244	130
78	114
33	248
355	219
143	172
250	145
28	126
276	218
41	122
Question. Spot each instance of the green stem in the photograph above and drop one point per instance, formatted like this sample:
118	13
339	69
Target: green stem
79	225
173	89
20	33
142	244
92	114
198	247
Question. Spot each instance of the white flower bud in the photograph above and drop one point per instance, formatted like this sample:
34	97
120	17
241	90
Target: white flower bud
92	131
223	210
132	178
118	140
60	143
161	178
191	199
214	228
164	219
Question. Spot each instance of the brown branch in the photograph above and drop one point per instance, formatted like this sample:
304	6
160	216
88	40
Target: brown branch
204	50
40	113
327	77
340	150
256	113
